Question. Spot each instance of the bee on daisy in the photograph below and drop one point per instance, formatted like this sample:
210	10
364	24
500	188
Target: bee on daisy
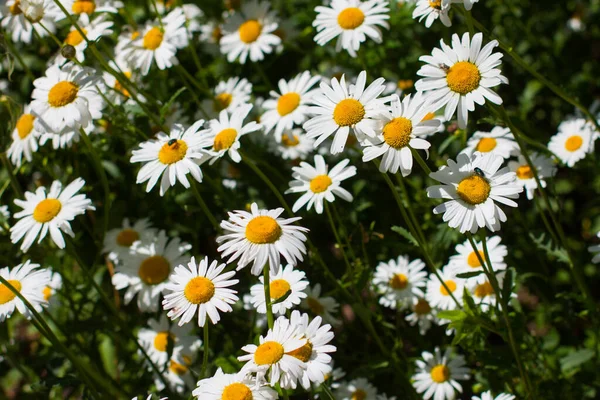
321	306
573	142
294	145
25	137
467	260
29	280
359	388
118	241
228	95
499	141
286	291
443	296
23	19
438	374
399	281
233	386
544	166
431	10
93	29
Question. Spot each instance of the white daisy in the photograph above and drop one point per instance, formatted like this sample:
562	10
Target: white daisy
422	314
319	184
358	388
178	375
287	282
473	185
228	95
49	212
29	282
461	75
351	21
233	386
260	236
116	92
468	4
339	108
483	292
211	32
323	307
574	140
250	32
466	260
199	289
118	241
595	249
88	7
499	141
146	270
545	168
20	18
431	10
93	29
294	145
399	281
157	337
438	373
223	134
49	291
438	296
172	156
289	107
25	137
272	356
488	396
398	132
65	137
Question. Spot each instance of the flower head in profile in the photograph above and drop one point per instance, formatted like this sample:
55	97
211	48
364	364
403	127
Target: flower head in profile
29	280
399	281
233	386
545	169
574	140
499	141
286	289
438	375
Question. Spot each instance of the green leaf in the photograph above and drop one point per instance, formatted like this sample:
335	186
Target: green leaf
467	275
507	285
576	359
405	234
452	315
165	108
108	354
548	247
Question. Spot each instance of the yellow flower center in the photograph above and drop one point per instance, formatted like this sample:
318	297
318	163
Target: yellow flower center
524	172
278	288
135	35
463	77
126	237
302	353
199	290
153	38
180	369
74	37
486	144
172	153
399	281
25	125
225	139
47	292
262	230
440	373
290	142
404	84
451	285
268	353
351	18
483	290
46	210
348	112
437	4
473	189
573	143
320	183
15	9
288	103
83	6
236	391
161	341
120	87
250	31
6	294
154	270
428	117
222	101
473	260
358	394
422	307
62	93
315	306
396	133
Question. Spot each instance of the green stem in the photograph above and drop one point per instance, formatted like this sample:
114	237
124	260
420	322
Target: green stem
340	222
263	75
421	162
400	180
204	207
205	349
267	287
337	238
11	175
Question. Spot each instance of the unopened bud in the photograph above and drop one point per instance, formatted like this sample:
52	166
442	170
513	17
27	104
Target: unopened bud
68	51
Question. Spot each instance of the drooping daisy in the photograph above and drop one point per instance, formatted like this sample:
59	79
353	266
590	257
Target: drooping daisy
118	241
422	314
438	373
440	296
172	157
223	134
49	212
29	282
544	166
250	32
595	249
399	132
272	355
399	281
294	145
67	97
358	388
351	21
488	396
499	141
473	185
49	291
88	7
290	106
431	10
260	236
341	107
199	289
287	280
323	307
319	184
20	18
25	137
232	387
93	29
228	95
146	270
574	140
466	260
461	75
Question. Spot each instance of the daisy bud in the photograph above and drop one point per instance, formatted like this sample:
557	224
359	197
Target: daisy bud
68	51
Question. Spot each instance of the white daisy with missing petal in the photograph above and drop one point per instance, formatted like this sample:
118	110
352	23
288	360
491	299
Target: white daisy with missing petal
440	296
25	137
466	259
30	282
399	281
118	241
240	386
573	142
545	169
430	10
499	141
322	306
488	396
228	95
438	374
358	388
288	285
472	186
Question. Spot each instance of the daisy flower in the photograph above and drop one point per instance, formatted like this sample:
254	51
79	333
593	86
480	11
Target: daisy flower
466	259
177	374
399	281
437	375
228	95
260	236
49	291
468	4
25	137
199	289
294	145
499	141
461	75
67	97
595	249
93	29
483	292
422	314
323	307
223	134
351	21
545	168
49	212
29	282
340	107
574	140
440	297
287	280
399	132
358	388
272	355
20	18
88	7
250	32
431	10
118	241
65	137
472	186
117	93
488	396
319	184
211	32
314	353
172	157
288	107
233	386
146	270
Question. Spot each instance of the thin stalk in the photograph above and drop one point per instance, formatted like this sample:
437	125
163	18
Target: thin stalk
13	179
421	162
340	222
263	75
209	215
337	238
400	180
267	287
205	349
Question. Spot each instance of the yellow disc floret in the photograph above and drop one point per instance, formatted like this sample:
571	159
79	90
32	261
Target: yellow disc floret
351	18
161	340
524	172
126	237
263	229
153	38
172	153
463	77
83	7
440	373
250	31
422	307
62	93
396	133
278	288
154	270
287	103
320	183
348	112
6	294
268	353
315	306
25	125
46	210
199	290
358	394
483	290
573	143
288	141
399	281
486	144
15	9
473	189
236	391
302	353
451	285
225	139
74	38
473	259
222	101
